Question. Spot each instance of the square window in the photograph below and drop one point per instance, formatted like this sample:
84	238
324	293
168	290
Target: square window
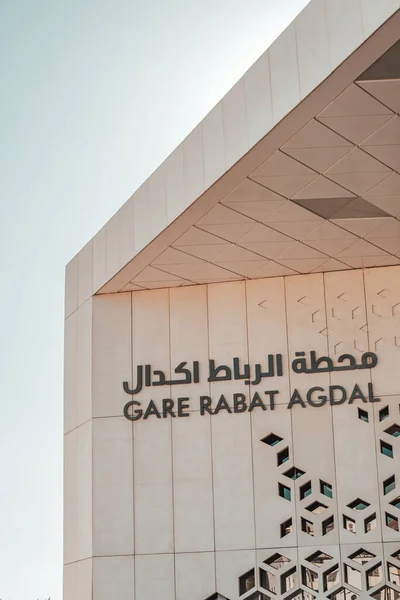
326	489
358	504
396	502
305	490
349	524
363	415
294	473
286	527
283	456
328	525
389	484
284	492
393	430
370	523
392	522
272	439
247	582
386	449
317	507
307	526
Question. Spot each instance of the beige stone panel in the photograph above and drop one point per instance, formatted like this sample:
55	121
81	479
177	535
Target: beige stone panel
229	567
193	165
271	510
70	581
126	232
154	577
112	246
84	476
70	499
174	184
189	339
313	453
194	575
344	34
356	473
153	494
85	580
151	342
375	13
266	324
193	483
113	577
307	328
213	144
70	372
236	141
257	83
382	288
141	218
387	430
233	481
113	505
99	259
71	286
85	273
227	335
84	369
112	350
284	59
347	327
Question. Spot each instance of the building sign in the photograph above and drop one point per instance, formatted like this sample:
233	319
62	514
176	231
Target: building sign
316	396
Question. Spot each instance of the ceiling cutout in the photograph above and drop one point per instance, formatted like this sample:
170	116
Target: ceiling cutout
386	67
342	208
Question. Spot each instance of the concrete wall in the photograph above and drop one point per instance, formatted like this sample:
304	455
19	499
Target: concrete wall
182	508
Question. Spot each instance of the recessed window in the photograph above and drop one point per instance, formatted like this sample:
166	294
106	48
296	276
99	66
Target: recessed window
343	594
362	556
384	413
349	524
309	578
386	449
247	582
374	576
268	581
307	527
363	415
352	576
317	507
277	561
272	439
284	492
393	430
319	558
394	574
286	527
396	502
288	580
389	484
283	456
328	525
384	593
294	473
326	489
331	578
370	523
392	522
358	504
305	490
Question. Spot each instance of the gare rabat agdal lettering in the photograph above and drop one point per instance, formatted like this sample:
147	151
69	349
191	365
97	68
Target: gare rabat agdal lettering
234	403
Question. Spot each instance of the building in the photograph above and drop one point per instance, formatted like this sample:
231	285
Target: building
232	341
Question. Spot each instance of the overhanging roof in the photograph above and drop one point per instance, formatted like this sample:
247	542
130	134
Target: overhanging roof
296	170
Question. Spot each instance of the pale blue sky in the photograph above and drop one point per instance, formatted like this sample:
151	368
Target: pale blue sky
94	95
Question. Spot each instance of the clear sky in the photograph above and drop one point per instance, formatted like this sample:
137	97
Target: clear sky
94	95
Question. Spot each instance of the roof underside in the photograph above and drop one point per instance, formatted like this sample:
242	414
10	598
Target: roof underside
320	192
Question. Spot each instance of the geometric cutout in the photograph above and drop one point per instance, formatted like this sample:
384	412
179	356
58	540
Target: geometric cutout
283	456
341	208
363	415
294	473
370	523
393	430
328	525
309	578
386	449
268	581
389	485
286	527
316	507
272	439
358	504
396	502
284	492
288	580
319	558
374	576
376	311
277	561
305	490
349	524
343	594
247	582
307	526
394	574
383	413
362	556
304	300
392	522
331	578
352	576
326	489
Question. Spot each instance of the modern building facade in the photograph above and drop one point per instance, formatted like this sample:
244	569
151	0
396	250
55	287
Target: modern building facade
232	342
